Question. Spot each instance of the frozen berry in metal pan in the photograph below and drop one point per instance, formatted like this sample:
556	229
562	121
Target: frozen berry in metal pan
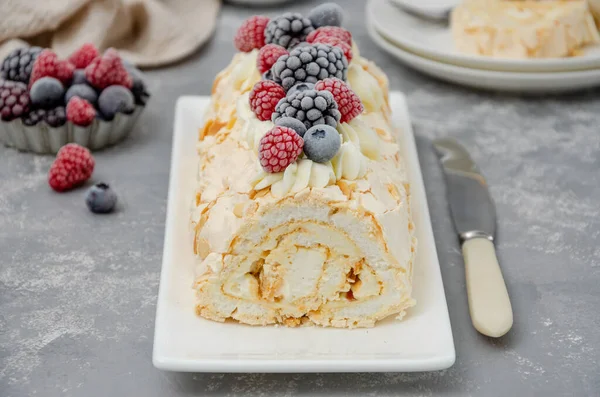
115	99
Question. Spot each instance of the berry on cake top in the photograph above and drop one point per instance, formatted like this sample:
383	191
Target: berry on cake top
304	63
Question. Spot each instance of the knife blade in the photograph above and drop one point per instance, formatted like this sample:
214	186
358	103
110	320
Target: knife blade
474	216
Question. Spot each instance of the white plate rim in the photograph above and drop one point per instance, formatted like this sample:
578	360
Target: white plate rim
165	362
516	82
473	61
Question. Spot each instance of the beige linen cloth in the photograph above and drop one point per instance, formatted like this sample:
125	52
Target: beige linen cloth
148	33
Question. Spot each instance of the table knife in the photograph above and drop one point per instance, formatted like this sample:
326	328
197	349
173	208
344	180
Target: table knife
474	217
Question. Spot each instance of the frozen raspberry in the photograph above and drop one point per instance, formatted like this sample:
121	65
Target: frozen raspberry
84	55
64	71
74	165
330	31
251	34
268	55
14	100
80	112
108	70
47	64
337	42
264	97
279	148
349	103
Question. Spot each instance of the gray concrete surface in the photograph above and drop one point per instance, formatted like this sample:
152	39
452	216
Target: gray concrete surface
78	291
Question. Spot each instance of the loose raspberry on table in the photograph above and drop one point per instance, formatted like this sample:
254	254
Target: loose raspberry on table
73	166
47	64
14	100
330	31
311	107
264	97
108	70
84	55
18	64
288	30
251	34
348	102
337	42
268	55
279	148
80	112
310	64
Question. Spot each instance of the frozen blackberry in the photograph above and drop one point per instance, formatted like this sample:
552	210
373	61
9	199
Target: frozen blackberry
310	64
53	117
18	64
14	100
301	87
310	107
139	90
288	30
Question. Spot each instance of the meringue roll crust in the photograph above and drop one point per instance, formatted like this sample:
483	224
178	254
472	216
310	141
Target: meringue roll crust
327	244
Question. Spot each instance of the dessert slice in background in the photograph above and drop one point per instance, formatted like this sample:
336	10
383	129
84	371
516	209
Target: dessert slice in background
523	29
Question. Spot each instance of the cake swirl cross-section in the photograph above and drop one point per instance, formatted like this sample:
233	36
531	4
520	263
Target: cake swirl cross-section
302	208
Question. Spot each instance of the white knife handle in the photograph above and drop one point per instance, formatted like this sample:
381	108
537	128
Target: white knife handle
489	304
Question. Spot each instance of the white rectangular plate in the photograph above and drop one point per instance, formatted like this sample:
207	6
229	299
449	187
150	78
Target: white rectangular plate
185	342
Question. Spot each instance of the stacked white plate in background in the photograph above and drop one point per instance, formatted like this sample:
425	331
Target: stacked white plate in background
427	46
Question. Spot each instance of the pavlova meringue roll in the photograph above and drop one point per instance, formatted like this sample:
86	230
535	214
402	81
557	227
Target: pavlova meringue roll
327	243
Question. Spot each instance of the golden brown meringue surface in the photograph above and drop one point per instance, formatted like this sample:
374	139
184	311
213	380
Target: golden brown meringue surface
327	244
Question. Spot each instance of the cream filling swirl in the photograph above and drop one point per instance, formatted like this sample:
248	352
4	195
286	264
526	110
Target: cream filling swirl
245	73
366	86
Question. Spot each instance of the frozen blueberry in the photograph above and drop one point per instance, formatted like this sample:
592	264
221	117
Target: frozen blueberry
292	123
100	199
82	91
301	87
321	143
79	77
47	93
138	89
328	14
115	99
